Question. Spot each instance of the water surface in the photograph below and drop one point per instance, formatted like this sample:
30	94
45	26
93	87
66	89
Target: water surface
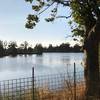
48	63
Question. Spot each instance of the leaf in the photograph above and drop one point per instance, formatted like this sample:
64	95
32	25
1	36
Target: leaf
36	8
29	1
49	19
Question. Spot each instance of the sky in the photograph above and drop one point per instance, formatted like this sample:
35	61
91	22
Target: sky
13	14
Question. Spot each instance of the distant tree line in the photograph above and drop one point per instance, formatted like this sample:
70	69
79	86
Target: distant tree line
11	48
64	47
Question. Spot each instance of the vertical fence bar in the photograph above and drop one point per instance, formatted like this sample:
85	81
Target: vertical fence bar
33	98
74	81
0	92
20	88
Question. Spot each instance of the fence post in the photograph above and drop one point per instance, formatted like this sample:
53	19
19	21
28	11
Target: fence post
74	81
33	84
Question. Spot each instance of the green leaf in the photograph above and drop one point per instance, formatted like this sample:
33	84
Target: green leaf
29	1
36	8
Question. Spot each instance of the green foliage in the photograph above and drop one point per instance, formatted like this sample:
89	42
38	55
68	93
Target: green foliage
29	1
2	51
39	6
83	13
32	20
49	19
78	32
38	49
11	48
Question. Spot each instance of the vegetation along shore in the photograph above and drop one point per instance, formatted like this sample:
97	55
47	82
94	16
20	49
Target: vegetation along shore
11	48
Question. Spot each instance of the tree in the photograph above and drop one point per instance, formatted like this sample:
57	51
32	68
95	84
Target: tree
24	47
38	49
1	49
5	46
65	47
85	23
12	48
77	48
50	48
30	50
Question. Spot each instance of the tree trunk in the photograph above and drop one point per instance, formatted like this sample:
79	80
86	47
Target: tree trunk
92	64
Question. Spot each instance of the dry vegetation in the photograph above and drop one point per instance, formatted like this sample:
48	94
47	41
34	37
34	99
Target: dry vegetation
56	90
45	93
62	94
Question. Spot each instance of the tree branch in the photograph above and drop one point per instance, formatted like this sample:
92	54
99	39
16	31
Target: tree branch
96	8
46	8
66	17
65	3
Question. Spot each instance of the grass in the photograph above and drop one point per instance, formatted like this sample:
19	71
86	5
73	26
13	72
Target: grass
62	94
65	92
44	93
55	87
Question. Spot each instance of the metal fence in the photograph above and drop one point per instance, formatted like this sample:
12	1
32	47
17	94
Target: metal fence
63	86
16	89
59	87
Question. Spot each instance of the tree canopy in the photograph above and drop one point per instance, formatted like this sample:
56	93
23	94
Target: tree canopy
84	14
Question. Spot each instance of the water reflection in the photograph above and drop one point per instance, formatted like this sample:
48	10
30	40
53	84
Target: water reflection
48	63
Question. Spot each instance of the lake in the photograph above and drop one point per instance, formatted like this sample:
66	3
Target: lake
48	63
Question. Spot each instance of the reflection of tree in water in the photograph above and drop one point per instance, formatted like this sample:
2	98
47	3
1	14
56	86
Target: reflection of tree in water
66	60
50	60
39	59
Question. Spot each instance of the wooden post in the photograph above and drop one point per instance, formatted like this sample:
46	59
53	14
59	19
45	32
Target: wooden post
74	81
33	98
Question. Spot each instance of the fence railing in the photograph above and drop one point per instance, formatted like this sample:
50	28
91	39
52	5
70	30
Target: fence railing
16	89
63	86
59	87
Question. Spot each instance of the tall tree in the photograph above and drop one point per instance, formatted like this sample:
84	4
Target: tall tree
25	46
12	48
1	49
85	23
38	49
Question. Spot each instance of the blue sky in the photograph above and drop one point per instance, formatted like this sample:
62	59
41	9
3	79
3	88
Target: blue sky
13	15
